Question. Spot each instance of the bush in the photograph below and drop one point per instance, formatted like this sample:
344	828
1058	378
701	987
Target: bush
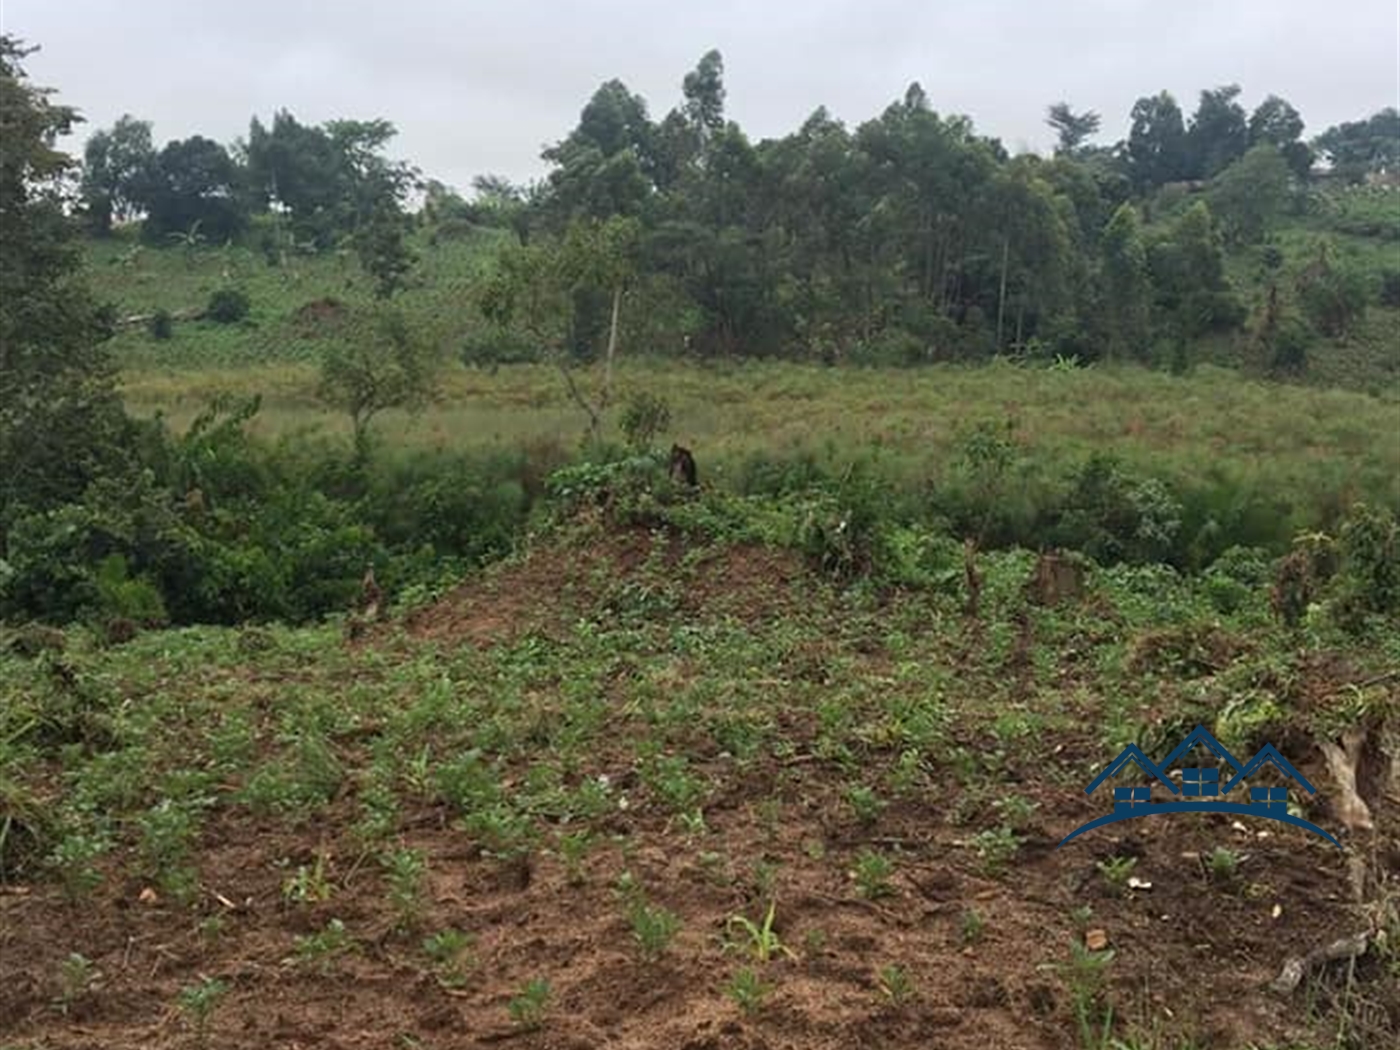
227	306
643	418
1390	288
161	325
1113	517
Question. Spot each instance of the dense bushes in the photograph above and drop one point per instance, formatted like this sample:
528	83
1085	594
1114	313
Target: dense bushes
217	528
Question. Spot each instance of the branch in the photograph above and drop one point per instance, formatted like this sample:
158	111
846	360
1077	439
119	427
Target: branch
594	422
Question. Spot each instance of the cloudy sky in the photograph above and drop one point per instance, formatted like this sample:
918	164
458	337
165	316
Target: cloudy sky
479	87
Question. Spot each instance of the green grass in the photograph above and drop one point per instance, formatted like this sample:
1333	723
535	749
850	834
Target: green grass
1291	440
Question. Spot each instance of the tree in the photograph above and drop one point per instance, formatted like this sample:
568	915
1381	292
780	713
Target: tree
1187	265
704	95
193	186
117	168
1219	133
1360	147
1127	284
1275	121
380	362
1251	193
383	250
332	179
1157	148
1074	129
535	286
62	425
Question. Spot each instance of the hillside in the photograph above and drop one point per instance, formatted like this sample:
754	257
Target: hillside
544	807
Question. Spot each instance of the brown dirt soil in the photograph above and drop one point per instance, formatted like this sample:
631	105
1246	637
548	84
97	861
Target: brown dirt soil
1194	955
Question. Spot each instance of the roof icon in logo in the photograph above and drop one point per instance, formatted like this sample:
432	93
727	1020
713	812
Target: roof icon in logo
1201	790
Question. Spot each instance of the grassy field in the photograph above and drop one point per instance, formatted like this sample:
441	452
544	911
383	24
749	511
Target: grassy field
632	789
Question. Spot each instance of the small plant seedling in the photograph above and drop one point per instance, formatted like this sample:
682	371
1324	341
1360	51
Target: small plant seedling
1081	916
1224	864
1016	810
763	941
872	875
308	885
527	1009
896	985
747	991
972	926
995	847
321	948
573	848
197	1002
864	803
75	978
405	869
653	928
450	951
1116	871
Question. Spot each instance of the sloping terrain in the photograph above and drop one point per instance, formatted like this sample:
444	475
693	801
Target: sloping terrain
383	842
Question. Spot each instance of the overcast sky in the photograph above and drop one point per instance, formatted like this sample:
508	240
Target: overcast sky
479	87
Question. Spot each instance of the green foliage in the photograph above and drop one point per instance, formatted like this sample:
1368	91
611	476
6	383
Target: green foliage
644	417
227	306
61	423
382	362
527	1008
653	928
161	325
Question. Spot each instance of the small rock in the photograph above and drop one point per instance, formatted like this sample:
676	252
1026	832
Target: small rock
1135	883
1096	940
1278	910
148	896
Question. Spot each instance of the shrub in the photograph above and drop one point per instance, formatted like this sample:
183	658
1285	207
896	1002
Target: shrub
161	325
643	418
1390	288
227	306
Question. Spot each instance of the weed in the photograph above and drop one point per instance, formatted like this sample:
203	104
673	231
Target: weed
995	848
76	977
73	859
763	941
573	848
653	928
872	874
308	885
896	985
324	947
748	991
197	1002
405	870
527	1008
864	803
972	926
1223	864
450	951
1016	810
1116	871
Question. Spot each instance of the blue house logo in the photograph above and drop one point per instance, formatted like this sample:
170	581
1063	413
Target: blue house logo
1201	790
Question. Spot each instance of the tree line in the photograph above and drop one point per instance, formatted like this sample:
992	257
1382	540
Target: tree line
909	237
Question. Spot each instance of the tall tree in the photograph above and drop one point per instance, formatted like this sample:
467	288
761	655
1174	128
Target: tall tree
1275	121
1126	284
1250	195
193	186
1074	129
1219	133
1157	149
117	169
61	422
1357	148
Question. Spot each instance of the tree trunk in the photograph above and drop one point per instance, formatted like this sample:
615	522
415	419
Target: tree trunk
1001	296
612	347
